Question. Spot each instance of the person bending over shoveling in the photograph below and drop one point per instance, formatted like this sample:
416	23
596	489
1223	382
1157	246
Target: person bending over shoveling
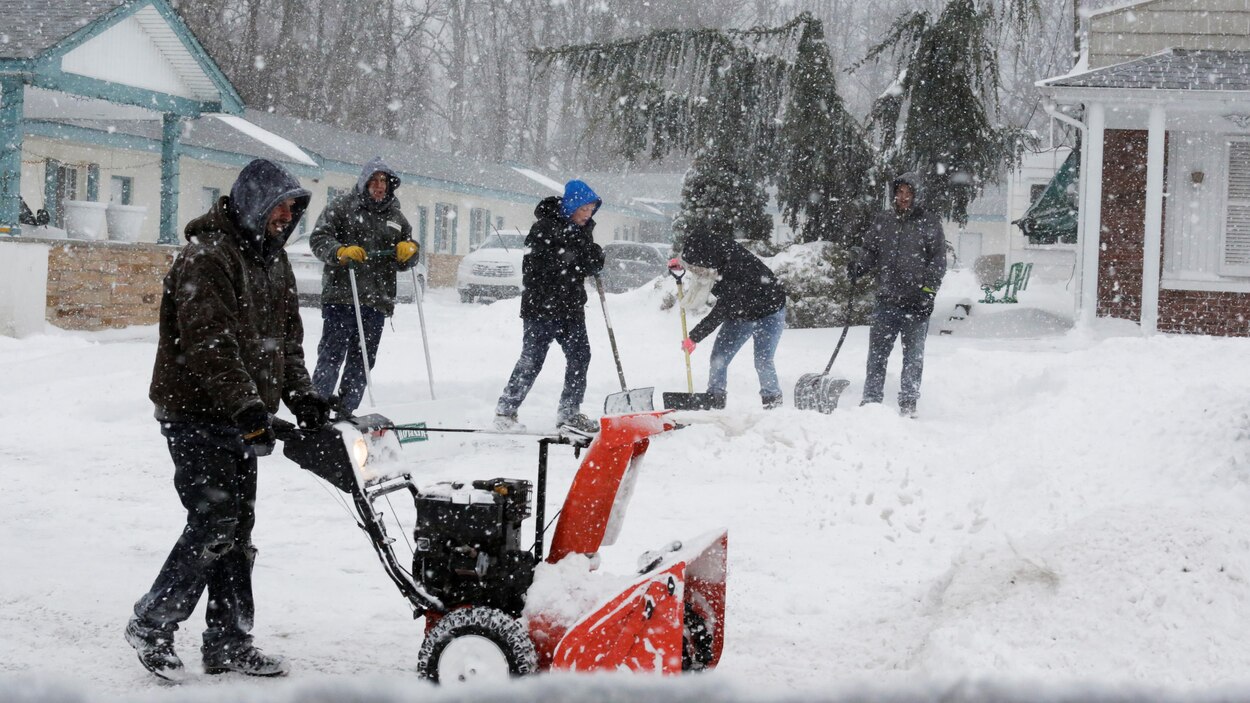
750	304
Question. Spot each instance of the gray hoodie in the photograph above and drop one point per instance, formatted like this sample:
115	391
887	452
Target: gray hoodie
356	219
908	250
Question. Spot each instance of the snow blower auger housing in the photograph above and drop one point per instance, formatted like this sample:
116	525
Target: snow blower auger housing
494	608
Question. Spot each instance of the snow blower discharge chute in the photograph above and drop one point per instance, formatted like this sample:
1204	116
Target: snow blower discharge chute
477	585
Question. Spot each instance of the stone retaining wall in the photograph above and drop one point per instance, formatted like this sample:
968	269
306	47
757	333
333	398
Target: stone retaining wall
98	285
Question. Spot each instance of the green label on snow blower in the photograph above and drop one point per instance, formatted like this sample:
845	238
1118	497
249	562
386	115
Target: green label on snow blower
414	432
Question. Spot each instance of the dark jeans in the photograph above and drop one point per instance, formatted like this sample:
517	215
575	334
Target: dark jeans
340	340
766	333
889	322
215	476
570	333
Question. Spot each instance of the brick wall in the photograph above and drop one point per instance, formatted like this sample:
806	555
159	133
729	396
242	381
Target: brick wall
96	285
1120	261
1204	312
1123	224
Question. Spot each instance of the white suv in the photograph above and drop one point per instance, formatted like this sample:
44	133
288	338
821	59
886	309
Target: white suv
493	269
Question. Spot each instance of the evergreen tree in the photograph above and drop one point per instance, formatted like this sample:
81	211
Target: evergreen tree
722	94
718	197
827	181
938	118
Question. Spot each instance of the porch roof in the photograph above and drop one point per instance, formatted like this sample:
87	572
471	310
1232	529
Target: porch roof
1174	69
34	26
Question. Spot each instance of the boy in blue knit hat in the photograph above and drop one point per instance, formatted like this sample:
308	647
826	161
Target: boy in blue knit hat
562	253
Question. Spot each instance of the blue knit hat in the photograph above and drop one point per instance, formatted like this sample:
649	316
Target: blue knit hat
577	194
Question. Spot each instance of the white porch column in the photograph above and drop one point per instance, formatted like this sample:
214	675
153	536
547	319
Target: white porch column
1152	241
1091	211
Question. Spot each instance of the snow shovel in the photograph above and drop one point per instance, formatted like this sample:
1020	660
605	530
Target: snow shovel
688	400
820	391
360	332
635	400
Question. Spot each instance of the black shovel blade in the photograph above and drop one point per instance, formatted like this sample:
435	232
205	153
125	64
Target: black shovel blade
692	401
634	400
819	392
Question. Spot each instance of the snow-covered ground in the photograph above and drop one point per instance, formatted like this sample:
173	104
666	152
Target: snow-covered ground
1067	510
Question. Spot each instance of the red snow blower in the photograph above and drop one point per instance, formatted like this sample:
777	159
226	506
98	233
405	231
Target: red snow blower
494	609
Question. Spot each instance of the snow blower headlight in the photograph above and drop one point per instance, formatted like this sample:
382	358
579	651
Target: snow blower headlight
360	453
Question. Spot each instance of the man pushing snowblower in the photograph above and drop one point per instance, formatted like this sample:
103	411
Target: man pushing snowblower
229	350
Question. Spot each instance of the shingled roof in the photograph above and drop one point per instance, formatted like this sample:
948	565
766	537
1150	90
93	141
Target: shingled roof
31	27
1174	69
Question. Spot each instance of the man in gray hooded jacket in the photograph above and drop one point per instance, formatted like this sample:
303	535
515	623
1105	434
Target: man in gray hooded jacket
366	231
906	248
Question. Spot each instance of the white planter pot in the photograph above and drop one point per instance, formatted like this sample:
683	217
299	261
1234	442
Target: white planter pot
85	219
125	221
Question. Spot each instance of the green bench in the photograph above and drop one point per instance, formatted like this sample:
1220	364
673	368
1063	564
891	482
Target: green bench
1017	280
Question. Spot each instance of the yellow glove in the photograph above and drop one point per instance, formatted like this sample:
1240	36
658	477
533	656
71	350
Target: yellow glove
405	251
352	253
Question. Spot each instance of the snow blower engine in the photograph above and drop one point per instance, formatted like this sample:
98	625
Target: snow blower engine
468	543
494	609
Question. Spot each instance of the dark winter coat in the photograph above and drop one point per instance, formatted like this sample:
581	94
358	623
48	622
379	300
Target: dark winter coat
561	256
907	250
746	289
356	219
230	332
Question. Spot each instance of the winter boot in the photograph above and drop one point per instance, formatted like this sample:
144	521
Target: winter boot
577	421
771	402
716	400
907	408
244	659
508	423
156	651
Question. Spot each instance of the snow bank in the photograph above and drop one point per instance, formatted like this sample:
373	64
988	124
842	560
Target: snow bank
1062	521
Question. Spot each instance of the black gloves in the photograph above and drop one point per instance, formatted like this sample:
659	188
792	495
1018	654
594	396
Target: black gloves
921	302
926	307
257	429
312	412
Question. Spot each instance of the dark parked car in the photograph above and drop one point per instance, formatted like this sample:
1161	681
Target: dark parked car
629	265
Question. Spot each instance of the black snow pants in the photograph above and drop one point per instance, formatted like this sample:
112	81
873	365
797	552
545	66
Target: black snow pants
215	476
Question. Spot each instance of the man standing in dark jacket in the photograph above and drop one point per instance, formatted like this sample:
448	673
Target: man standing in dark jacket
364	230
562	253
229	349
908	250
750	304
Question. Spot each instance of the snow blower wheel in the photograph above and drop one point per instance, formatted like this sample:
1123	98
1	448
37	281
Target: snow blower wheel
697	644
476	644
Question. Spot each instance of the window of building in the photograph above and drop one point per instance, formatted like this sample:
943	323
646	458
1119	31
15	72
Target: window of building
423	228
60	183
479	225
444	228
208	198
1235	247
1035	192
121	190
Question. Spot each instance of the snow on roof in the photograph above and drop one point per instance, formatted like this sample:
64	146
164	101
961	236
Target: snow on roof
269	139
1173	69
31	27
540	178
